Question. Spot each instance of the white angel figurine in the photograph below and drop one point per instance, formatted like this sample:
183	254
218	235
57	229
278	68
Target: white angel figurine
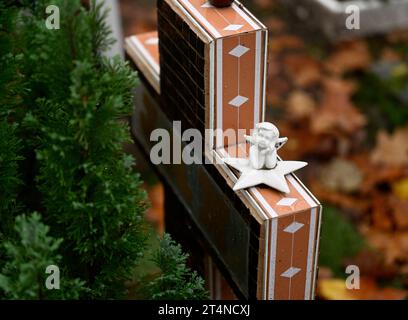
262	166
265	142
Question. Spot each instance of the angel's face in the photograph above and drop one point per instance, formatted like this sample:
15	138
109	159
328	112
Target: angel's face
265	138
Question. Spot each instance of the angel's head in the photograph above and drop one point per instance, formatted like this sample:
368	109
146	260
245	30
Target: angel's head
267	134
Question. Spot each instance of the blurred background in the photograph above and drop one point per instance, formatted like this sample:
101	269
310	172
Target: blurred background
344	106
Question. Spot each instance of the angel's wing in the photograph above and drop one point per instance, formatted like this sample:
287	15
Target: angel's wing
281	142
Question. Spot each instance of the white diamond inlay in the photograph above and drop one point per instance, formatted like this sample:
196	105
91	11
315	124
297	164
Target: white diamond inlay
290	272
238	101
239	51
207	5
286	202
233	27
152	41
293	227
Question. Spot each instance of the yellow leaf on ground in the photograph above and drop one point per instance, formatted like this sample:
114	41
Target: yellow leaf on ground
335	289
400	189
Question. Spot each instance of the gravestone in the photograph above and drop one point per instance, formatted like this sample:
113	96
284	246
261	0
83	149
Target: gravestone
206	67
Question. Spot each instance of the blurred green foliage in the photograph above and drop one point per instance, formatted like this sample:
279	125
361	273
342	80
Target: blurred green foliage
339	240
24	275
379	99
176	281
62	156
